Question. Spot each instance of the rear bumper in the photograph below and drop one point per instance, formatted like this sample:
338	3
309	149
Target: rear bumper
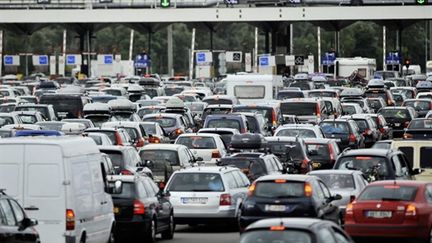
374	230
126	228
204	218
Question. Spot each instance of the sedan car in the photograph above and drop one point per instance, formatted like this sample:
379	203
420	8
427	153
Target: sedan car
173	124
288	196
399	209
294	230
420	128
421	106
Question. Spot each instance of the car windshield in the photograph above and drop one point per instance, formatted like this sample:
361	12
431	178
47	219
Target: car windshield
335	127
284	236
395	113
28	119
170	156
322	94
279	189
337	181
388	192
224	123
419	105
289	95
163	121
364	163
196	182
296	132
299	108
318	151
197	142
420	124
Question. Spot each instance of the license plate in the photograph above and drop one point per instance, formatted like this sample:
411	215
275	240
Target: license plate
397	124
316	165
116	210
194	200
379	214
275	208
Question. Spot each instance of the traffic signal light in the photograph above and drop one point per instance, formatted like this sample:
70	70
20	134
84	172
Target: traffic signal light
421	2
407	63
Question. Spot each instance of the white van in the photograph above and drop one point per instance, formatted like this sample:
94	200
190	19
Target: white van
251	89
59	182
419	154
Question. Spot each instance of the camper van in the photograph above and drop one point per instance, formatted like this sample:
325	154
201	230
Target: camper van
364	66
60	183
251	89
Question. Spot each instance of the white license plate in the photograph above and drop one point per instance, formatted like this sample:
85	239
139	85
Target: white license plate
194	200
397	124
275	208
338	140
379	214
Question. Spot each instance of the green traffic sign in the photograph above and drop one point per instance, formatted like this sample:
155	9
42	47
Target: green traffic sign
422	2
167	3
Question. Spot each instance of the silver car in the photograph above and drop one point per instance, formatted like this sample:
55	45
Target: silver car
347	183
204	195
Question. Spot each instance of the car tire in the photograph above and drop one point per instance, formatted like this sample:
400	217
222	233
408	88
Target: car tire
111	238
150	234
168	234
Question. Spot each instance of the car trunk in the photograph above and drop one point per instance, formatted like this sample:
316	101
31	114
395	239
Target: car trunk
195	203
123	208
287	207
380	212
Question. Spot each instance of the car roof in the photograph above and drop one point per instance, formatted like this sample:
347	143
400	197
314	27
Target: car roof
113	148
282	139
369	152
206	169
319	140
339	172
400	182
162	147
294	223
213	135
300	178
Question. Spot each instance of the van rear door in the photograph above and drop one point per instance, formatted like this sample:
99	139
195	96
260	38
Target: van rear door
44	190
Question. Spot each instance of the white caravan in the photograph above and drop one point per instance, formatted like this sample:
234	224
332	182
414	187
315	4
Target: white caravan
252	89
364	66
59	182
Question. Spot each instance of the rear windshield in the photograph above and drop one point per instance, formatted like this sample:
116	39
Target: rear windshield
149	129
318	151
418	105
172	91
289	95
395	113
218	101
196	182
349	109
294	132
409	153
27	119
285	236
249	91
146	111
272	189
337	181
196	107
375	104
266	112
127	190
163	121
197	142
5	134
425	157
160	155
389	192
362	124
375	94
287	151
364	163
6	121
322	94
42	110
70	105
335	127
248	166
420	124
224	123
116	157
301	85
299	108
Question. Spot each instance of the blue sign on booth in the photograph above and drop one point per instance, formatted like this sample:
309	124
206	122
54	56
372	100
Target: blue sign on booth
201	57
43	60
8	60
70	60
393	58
108	59
328	59
264	61
142	61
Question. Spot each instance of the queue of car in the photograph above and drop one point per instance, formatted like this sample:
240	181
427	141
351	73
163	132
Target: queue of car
134	157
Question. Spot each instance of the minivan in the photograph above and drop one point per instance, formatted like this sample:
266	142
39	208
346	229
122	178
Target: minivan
59	181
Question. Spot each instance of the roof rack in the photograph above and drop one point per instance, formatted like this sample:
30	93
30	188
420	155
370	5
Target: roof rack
2	191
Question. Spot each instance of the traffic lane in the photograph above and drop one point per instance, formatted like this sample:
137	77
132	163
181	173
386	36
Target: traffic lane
386	240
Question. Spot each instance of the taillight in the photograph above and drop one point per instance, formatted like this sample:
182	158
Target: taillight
225	200
244	130
332	155
251	189
140	143
382	130
367	132
352	138
408	136
406	123
154	140
410	211
352	198
277	228
318	110
349	209
216	154
308	189
274	118
139	207
118	139
70	219
178	131
126	172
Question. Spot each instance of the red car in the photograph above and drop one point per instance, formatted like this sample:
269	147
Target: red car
399	209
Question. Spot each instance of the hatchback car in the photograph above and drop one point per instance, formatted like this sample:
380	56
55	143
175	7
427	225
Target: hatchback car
376	103
398	118
288	196
345	131
351	108
367	128
236	121
178	155
300	130
15	226
226	134
207	194
294	230
399	209
420	128
322	152
208	146
307	110
173	124
125	159
141	210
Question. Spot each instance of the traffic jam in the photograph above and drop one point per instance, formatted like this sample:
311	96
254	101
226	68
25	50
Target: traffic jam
302	159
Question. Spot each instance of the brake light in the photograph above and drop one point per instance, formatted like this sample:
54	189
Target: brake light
244	130
332	155
139	207
352	138
140	143
280	181
216	154
277	228
363	158
406	123
118	139
154	140
126	172
274	118
367	132
352	198
382	130
411	210
408	136
349	209
70	219
251	189
392	187
308	189
225	200
178	131
318	110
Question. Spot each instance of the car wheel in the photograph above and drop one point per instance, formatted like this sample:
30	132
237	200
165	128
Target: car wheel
150	235
168	234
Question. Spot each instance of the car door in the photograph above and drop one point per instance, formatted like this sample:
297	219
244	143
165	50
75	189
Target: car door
8	228
397	167
164	203
26	235
331	211
152	200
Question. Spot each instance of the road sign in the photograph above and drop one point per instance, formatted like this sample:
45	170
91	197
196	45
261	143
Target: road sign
43	60
264	61
165	3
299	60
201	57
421	2
290	60
393	58
11	60
328	59
8	60
70	60
234	56
142	61
108	59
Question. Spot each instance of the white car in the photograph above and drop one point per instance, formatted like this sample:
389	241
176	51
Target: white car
179	156
301	130
208	146
207	194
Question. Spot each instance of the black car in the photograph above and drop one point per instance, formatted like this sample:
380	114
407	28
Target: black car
288	196
377	164
294	230
141	210
420	128
271	113
323	152
398	118
15	227
345	131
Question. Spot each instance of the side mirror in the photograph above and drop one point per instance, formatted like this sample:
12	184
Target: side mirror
27	222
199	159
417	171
334	198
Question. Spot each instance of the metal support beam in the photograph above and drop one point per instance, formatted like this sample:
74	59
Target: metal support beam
337	42
384	47
430	40
319	49
1	52
170	50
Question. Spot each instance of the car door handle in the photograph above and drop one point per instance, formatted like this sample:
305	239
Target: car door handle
31	208
104	202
